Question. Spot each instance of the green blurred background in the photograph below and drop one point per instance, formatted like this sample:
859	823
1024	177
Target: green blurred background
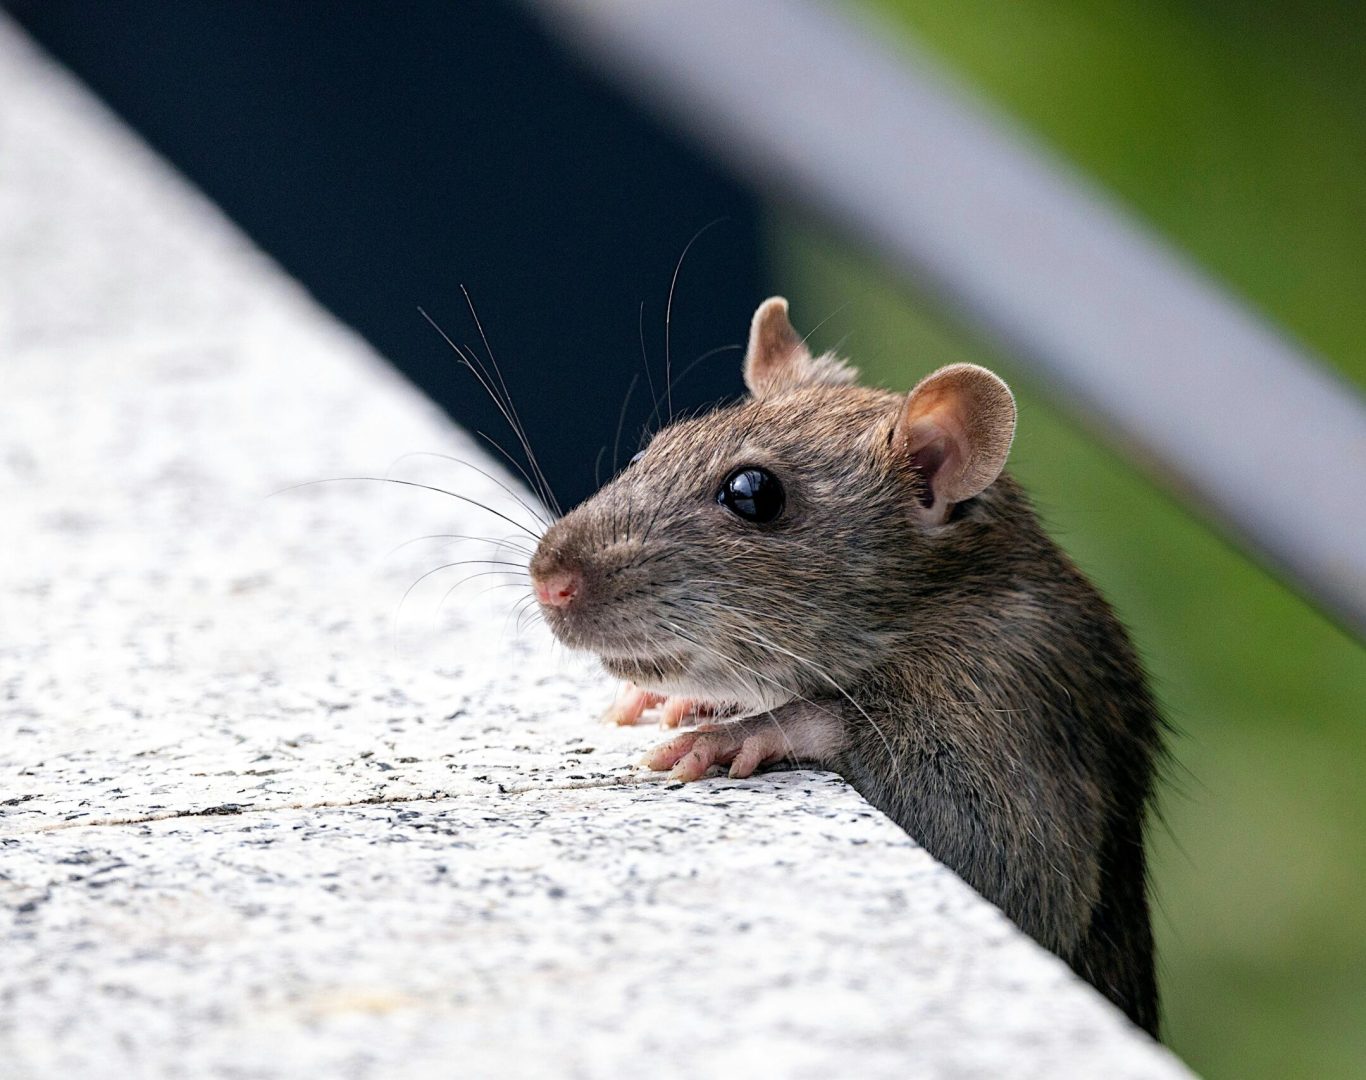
1238	130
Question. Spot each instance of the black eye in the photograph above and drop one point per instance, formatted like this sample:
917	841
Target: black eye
753	494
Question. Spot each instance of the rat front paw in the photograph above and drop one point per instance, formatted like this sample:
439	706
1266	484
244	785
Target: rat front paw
631	705
676	711
633	702
743	744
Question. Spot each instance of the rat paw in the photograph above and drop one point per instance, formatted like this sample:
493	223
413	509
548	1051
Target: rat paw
744	745
631	705
676	711
633	702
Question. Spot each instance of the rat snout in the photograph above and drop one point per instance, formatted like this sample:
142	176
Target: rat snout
557	588
556	575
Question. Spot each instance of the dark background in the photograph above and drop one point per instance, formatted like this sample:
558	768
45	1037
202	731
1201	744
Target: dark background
386	154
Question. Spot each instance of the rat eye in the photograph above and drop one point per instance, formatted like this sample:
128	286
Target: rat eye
753	494
635	457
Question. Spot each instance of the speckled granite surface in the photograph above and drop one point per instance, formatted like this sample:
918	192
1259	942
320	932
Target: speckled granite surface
258	819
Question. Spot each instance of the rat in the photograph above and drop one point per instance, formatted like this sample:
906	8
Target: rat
846	577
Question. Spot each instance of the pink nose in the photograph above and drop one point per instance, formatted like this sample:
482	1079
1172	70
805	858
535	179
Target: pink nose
558	589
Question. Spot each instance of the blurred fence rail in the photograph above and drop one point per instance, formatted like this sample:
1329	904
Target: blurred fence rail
815	107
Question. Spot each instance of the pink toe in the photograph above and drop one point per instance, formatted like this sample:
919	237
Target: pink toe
693	765
746	761
670	753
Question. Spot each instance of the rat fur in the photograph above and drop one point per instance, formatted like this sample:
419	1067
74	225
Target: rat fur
904	621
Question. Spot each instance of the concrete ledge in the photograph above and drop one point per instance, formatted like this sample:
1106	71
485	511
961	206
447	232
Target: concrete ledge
252	824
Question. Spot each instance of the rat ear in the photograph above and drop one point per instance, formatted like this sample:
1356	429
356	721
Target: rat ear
956	428
777	358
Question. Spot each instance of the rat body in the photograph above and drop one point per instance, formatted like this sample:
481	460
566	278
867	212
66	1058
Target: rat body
850	573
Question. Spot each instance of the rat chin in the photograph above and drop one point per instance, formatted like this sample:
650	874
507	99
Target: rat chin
650	672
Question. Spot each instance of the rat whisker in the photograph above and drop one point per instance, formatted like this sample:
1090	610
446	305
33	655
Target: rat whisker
522	612
537	515
806	338
509	413
436	570
456	538
645	361
668	318
471	577
621	419
521	470
705	356
412	484
493	588
507	397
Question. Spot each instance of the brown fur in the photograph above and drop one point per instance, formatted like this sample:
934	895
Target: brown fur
986	697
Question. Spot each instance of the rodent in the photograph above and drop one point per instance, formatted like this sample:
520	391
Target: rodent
847	577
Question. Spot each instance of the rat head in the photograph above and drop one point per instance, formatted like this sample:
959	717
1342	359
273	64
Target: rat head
779	547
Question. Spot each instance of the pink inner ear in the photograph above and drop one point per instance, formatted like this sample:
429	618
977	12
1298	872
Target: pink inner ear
933	452
927	461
